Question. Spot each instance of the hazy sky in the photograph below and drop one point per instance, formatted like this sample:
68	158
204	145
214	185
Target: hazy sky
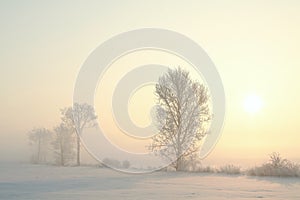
254	44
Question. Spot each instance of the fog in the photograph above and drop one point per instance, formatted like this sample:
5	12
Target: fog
255	47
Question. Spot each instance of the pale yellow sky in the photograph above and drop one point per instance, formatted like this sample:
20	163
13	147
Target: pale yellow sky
254	44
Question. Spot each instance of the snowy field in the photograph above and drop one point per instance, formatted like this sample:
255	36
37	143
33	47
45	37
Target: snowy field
33	182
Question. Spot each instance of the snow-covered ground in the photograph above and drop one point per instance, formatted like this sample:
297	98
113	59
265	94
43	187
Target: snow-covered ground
49	182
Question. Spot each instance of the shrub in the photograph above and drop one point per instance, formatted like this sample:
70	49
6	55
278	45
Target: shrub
229	169
111	162
206	169
125	164
277	166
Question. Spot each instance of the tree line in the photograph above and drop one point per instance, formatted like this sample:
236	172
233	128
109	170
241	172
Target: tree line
62	143
182	120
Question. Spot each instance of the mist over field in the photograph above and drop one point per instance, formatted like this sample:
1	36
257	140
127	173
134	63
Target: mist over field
105	100
49	182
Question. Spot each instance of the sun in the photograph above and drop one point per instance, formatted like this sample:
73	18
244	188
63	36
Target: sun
253	104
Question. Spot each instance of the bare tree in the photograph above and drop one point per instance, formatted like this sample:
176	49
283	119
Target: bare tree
63	144
39	139
78	117
182	118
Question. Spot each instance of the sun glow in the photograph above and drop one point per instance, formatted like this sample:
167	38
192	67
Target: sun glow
253	104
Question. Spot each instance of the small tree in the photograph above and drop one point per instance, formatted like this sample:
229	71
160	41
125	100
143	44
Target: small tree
63	144
182	118
39	139
277	161
110	162
125	164
79	117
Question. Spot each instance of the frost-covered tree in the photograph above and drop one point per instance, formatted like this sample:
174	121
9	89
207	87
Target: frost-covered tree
182	118
39	140
64	144
79	117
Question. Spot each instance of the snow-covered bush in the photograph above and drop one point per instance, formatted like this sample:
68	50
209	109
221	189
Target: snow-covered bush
125	164
206	169
111	162
277	166
229	169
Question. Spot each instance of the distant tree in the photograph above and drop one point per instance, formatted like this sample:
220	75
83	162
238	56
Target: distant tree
79	117
182	118
63	144
110	162
39	139
125	164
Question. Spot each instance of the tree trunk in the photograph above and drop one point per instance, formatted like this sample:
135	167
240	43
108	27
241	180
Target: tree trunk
39	150
78	150
62	159
178	164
